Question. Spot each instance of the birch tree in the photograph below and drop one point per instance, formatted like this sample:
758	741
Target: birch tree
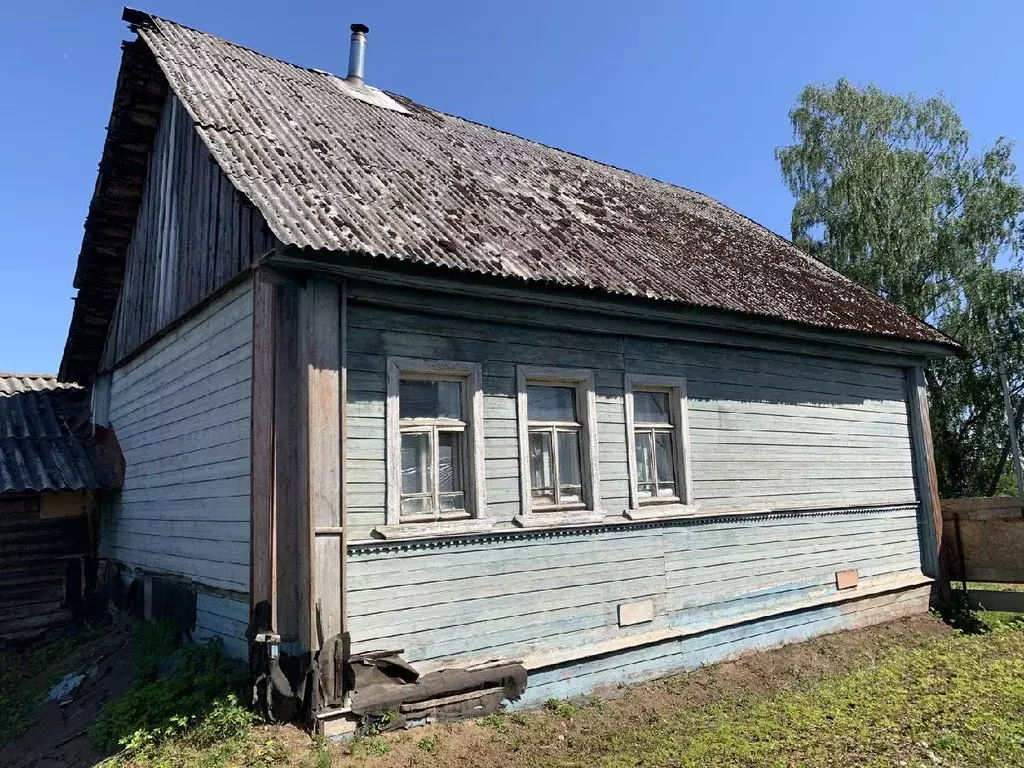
889	192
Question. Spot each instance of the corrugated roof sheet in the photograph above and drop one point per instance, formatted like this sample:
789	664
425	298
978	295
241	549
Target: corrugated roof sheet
14	383
39	447
331	172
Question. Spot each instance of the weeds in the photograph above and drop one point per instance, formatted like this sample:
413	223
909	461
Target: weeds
430	744
322	754
199	696
372	746
559	707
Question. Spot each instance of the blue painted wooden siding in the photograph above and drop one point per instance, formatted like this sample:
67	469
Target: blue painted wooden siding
527	593
181	413
767	430
569	680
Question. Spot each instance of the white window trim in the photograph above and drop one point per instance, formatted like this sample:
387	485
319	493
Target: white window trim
473	402
586	399
653	509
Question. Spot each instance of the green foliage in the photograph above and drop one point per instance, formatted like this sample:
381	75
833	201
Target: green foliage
889	193
152	642
199	696
430	743
322	754
372	746
495	720
559	707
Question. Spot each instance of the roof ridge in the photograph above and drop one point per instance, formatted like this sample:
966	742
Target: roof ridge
462	118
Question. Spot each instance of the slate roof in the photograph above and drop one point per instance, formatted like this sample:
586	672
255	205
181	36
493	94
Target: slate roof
334	173
42	446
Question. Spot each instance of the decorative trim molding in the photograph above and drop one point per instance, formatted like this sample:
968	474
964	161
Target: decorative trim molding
382	546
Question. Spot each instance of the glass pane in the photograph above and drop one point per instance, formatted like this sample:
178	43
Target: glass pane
415	462
651	407
551	403
417	506
644	464
450	467
569	470
453	502
429	399
666	462
541	459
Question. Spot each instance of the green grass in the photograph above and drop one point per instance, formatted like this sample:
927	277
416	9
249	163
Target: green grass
960	700
913	695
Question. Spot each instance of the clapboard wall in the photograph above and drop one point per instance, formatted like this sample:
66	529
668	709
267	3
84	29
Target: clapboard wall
181	413
766	428
194	232
781	433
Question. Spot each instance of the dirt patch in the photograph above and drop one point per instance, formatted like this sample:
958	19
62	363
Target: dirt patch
57	731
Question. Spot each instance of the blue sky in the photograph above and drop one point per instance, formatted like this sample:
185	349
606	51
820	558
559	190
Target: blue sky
692	93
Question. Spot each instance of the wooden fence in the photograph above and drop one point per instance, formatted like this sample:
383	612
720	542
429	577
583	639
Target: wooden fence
983	541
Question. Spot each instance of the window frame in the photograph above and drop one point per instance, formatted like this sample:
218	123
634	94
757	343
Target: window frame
582	381
469	374
684	502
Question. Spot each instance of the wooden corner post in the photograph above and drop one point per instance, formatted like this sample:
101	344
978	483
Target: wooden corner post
930	521
262	557
321	355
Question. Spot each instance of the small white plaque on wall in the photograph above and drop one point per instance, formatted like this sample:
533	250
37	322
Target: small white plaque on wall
636	613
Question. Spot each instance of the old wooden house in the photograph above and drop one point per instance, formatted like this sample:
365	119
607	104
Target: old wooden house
409	380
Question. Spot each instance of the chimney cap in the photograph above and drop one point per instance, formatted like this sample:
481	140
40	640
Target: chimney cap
360	28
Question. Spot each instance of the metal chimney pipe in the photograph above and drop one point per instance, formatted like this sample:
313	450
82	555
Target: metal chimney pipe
357	54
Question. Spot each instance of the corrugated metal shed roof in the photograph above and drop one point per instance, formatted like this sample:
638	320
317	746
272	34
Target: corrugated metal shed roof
40	449
14	383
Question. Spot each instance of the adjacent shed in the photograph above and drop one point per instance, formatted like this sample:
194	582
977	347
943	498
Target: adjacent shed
51	466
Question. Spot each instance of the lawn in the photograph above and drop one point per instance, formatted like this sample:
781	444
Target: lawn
911	693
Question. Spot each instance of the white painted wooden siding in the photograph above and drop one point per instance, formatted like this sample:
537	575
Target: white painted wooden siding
181	412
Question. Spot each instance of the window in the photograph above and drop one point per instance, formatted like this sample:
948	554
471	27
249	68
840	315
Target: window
435	453
557	441
556	474
658	436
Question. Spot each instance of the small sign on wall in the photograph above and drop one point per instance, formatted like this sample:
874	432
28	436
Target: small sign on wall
846	579
636	613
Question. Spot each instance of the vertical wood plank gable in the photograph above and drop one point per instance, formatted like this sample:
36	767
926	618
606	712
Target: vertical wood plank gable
187	233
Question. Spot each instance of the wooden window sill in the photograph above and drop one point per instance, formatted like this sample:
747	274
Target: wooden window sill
668	511
433	530
559	519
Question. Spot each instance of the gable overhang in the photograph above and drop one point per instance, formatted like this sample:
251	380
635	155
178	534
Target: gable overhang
134	117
